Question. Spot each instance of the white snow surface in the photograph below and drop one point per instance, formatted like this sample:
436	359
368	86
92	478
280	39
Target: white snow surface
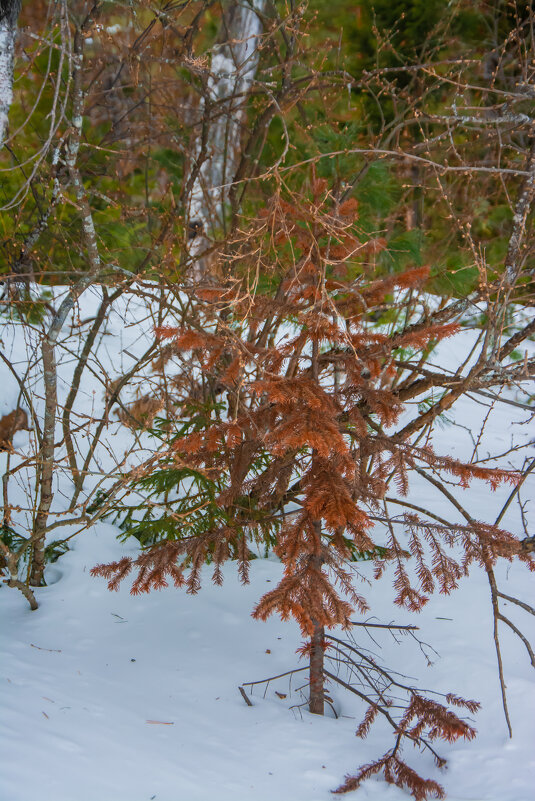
110	697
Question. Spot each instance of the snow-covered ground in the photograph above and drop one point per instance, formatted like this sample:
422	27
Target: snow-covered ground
109	697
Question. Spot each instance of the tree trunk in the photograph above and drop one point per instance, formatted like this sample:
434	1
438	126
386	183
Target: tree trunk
316	675
232	71
46	466
9	11
317	651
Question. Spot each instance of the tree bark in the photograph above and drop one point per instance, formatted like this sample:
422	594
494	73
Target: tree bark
317	652
9	561
316	674
232	71
9	12
46	466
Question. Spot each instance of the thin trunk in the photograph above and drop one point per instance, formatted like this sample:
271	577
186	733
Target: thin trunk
515	259
317	651
46	458
9	11
9	559
316	670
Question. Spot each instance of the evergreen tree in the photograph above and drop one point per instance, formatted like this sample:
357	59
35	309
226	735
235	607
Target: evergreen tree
311	434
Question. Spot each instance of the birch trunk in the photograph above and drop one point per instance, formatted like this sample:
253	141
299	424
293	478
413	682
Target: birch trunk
9	11
232	73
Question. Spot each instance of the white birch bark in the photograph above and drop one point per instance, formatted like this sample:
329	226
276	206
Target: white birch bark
9	11
232	72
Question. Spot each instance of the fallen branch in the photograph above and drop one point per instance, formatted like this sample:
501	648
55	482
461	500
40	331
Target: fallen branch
245	697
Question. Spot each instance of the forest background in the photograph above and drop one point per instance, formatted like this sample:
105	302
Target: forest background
307	198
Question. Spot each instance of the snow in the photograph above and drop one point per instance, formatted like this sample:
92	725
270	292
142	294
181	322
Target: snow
110	697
